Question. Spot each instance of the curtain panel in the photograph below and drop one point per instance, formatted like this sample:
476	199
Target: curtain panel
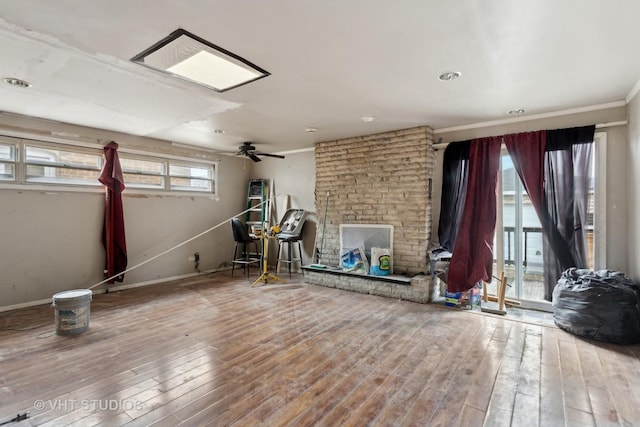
567	164
554	167
113	235
455	173
472	258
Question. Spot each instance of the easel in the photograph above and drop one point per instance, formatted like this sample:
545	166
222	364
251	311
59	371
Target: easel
265	277
501	291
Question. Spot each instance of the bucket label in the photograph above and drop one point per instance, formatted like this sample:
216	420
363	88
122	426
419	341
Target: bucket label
72	319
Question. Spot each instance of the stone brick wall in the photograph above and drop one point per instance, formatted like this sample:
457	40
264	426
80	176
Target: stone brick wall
379	179
417	290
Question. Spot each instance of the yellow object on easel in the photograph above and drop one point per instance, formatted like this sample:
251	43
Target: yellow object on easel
265	277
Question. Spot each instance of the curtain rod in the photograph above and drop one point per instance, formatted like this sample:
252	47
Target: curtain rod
598	126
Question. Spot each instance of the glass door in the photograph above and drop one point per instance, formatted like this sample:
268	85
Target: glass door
518	240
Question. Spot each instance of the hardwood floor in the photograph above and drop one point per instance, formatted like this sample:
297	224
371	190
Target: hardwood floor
214	351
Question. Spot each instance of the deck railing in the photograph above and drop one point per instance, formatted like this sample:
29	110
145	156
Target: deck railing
532	256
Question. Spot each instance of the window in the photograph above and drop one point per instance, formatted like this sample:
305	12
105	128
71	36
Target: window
189	177
7	161
140	173
32	162
58	166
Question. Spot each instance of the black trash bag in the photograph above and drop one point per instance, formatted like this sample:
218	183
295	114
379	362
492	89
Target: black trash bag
601	305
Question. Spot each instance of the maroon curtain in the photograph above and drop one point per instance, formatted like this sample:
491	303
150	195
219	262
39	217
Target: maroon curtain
472	258
527	153
113	237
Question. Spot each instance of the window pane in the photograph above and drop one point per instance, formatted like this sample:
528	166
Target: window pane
591	206
60	175
7	152
191	184
191	171
7	172
143	181
191	177
142	166
61	157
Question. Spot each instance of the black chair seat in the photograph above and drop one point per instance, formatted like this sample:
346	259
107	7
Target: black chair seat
243	241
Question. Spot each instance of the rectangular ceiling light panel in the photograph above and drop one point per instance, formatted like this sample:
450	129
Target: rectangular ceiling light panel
190	57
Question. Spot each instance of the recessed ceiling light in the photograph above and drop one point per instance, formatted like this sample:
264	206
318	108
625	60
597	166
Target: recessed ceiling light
311	130
448	76
517	111
17	82
367	119
219	131
185	55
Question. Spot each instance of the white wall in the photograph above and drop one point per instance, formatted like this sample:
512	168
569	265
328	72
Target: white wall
632	172
293	177
50	240
617	152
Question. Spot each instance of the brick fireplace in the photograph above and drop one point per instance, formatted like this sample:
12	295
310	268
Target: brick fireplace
383	178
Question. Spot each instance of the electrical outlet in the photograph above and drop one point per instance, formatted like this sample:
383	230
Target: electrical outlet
192	258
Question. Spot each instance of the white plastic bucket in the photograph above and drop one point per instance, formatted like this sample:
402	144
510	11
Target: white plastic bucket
72	311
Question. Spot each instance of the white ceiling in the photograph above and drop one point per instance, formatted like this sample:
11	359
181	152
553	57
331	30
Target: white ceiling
331	62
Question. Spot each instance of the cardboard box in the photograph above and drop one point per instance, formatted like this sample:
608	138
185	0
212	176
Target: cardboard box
466	300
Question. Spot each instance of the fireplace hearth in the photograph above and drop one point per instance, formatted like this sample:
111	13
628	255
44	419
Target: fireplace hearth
417	289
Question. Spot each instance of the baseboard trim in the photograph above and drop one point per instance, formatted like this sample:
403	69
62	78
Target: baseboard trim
115	288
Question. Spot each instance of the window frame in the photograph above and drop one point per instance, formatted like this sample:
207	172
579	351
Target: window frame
21	181
600	201
211	180
136	186
14	150
25	145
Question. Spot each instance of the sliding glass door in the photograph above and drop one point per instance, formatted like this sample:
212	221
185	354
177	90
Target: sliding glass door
518	242
519	251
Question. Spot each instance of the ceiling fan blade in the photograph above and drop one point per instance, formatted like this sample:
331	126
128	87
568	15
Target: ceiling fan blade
270	155
254	157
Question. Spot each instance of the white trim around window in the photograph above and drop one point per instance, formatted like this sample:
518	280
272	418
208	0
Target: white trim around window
600	202
56	166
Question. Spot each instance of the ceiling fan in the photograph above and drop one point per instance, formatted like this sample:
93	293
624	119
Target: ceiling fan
247	149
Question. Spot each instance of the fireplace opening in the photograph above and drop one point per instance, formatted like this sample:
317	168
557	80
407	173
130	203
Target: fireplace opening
363	237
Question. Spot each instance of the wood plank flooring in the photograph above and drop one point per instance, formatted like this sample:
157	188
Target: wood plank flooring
214	351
